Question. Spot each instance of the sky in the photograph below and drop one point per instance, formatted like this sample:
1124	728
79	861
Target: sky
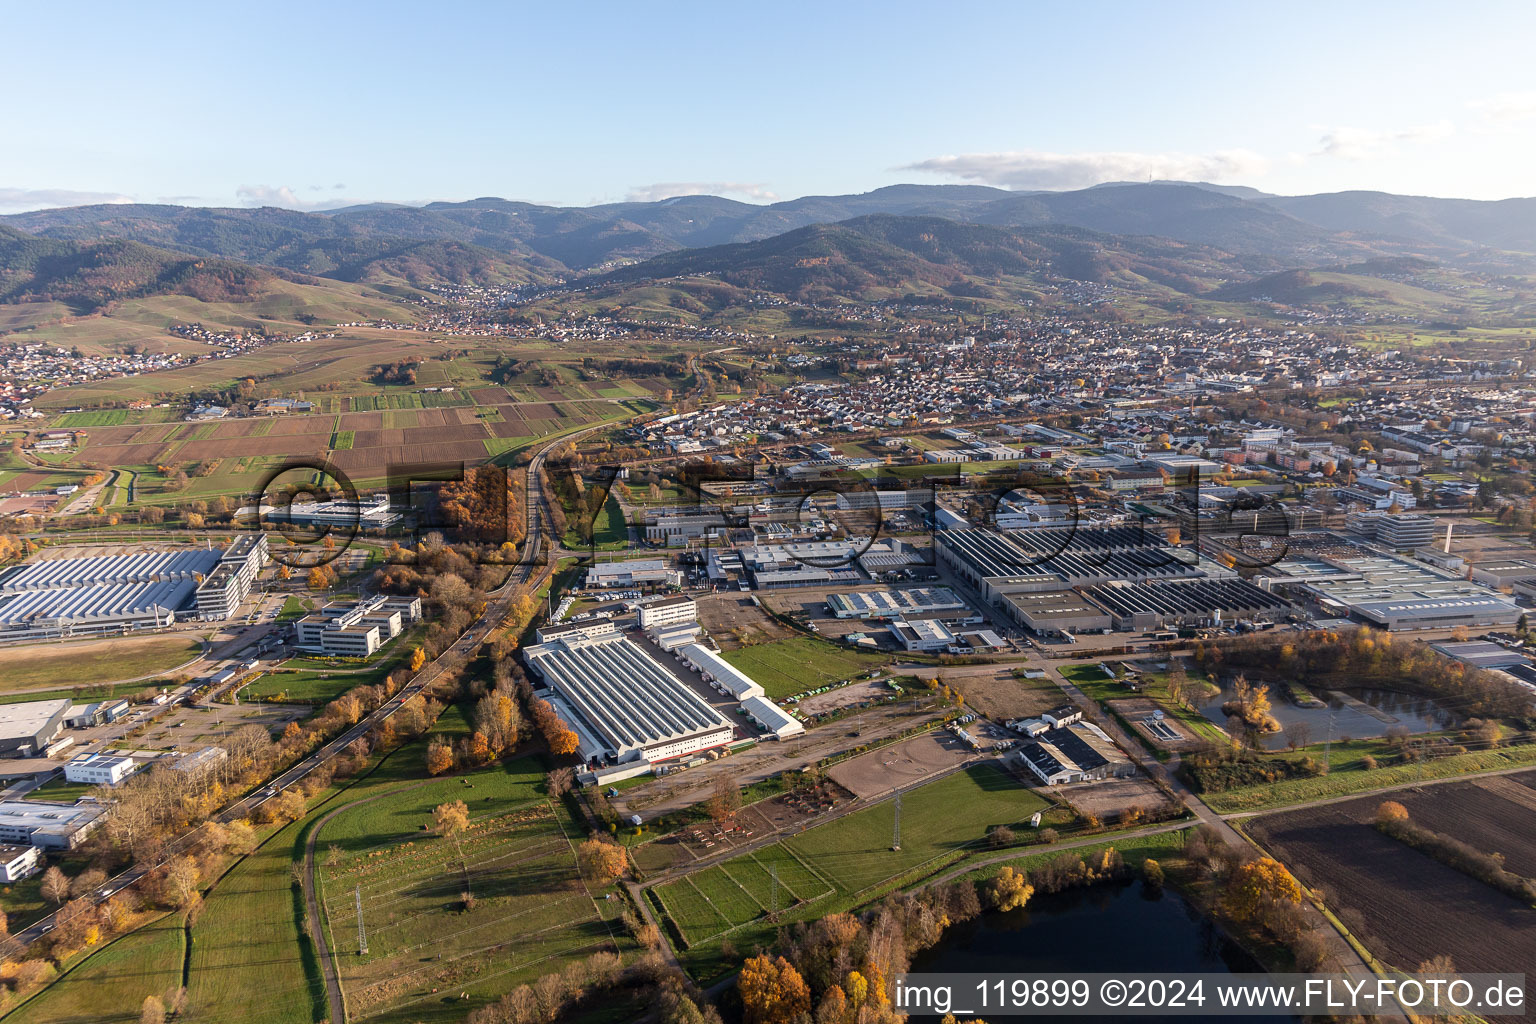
319	105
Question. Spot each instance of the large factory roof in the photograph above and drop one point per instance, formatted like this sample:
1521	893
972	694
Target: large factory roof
104	601
146	567
625	697
1183	597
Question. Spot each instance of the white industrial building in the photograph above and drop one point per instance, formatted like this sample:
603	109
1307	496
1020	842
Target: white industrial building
356	630
100	769
221	591
28	728
893	604
102	712
48	825
18	862
621	703
923	634
372	513
670	638
64	597
591	629
771	717
720	673
201	760
669	611
1393	593
635	573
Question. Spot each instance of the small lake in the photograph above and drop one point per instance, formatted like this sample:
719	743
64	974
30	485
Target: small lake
1101	928
1416	714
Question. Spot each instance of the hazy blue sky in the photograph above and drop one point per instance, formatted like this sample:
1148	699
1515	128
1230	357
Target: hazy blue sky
326	103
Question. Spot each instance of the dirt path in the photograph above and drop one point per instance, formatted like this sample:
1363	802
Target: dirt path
317	927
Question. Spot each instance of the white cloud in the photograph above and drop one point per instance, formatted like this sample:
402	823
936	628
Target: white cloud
19	200
1365	144
672	189
1503	109
284	197
1033	169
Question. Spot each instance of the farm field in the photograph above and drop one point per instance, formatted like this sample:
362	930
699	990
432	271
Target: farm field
796	664
93	661
378	431
1412	906
532	912
248	961
832	866
1349	776
109	987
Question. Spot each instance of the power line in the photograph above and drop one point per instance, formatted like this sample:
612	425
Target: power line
362	935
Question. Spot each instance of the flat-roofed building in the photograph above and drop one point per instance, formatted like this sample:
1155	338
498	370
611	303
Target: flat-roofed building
668	611
771	718
622	704
678	530
922	634
591	629
103	712
18	862
893	604
1156	604
199	761
109	594
48	825
634	573
28	728
1057	611
670	638
1481	654
352	630
100	769
222	591
719	672
1396	594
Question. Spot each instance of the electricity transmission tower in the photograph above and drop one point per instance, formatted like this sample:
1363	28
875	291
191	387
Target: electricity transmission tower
896	827
362	935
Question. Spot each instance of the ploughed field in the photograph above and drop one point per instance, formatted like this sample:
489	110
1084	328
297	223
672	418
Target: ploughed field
1412	907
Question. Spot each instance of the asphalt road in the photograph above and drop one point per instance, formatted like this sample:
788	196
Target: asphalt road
524	576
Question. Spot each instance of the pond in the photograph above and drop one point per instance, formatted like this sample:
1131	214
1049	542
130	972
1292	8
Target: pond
1101	928
1355	713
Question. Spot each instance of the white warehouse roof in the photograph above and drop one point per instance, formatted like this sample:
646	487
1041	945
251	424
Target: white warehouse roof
772	717
712	666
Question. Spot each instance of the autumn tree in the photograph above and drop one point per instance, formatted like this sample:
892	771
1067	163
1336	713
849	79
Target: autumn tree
451	818
87	880
181	878
418	659
152	1011
602	861
772	991
1258	884
1010	889
725	801
439	757
55	886
564	743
